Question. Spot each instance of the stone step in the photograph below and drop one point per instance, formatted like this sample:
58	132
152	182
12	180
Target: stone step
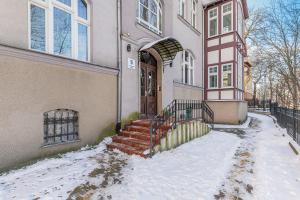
143	123
136	135
126	149
136	143
141	129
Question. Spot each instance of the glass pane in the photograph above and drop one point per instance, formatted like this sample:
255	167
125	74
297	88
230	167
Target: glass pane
144	2
213	13
67	2
153	6
143	82
227	8
62	33
82	42
153	19
143	13
213	27
38	28
191	77
82	9
151	84
227	23
186	74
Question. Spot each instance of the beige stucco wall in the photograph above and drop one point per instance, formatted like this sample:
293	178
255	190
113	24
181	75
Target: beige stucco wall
229	112
29	87
187	92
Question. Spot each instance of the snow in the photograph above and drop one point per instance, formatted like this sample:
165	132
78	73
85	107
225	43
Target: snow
278	168
243	126
227	161
51	178
192	171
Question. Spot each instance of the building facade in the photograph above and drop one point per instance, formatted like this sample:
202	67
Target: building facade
225	50
70	68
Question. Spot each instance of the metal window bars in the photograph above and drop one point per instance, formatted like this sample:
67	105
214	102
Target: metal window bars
60	126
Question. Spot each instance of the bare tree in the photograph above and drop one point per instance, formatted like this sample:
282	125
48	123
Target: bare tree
277	39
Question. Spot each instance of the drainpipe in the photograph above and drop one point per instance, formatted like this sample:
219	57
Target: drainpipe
119	63
203	53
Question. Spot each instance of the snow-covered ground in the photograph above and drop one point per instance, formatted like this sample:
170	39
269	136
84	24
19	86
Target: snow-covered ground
231	162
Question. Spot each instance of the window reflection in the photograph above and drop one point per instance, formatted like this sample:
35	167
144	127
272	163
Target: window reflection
38	31
62	33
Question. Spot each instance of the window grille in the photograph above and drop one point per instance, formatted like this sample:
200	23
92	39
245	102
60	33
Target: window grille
60	126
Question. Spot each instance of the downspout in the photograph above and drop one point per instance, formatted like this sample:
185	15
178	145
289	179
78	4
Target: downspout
203	53
119	63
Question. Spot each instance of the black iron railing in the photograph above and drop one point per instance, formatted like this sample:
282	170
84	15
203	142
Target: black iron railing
178	111
289	119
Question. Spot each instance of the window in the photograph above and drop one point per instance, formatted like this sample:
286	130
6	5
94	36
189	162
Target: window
194	13
182	8
213	77
213	22
227	75
60	126
226	18
187	68
60	27
150	15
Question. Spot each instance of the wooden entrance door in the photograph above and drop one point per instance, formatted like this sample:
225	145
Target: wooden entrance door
148	78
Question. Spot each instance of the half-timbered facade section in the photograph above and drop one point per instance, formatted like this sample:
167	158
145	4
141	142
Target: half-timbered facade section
224	50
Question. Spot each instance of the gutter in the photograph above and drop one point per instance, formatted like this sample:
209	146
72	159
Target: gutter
119	63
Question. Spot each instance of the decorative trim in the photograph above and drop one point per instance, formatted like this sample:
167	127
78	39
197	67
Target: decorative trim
36	56
188	25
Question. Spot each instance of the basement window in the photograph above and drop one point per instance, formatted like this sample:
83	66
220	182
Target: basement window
60	126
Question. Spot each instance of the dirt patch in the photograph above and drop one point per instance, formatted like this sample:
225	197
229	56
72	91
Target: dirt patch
107	173
237	185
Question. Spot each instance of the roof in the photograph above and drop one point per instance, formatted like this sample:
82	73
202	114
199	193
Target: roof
166	47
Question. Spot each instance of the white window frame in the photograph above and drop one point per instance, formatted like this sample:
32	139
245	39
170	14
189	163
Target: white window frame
213	74
212	18
191	67
194	13
159	15
48	6
227	72
227	13
182	8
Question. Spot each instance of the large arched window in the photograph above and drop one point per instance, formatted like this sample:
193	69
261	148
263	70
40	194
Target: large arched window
150	14
60	27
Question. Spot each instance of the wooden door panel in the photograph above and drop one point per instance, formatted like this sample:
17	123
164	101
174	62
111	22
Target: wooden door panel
148	78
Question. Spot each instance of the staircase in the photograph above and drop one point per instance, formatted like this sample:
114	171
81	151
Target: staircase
135	138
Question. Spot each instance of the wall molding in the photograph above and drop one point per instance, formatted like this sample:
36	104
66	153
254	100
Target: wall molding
42	57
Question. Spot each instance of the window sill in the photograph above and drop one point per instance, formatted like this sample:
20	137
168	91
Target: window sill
220	35
188	25
146	29
59	144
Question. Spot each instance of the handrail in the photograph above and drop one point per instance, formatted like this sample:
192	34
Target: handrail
178	111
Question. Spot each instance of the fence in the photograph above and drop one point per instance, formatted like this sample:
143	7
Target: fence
289	119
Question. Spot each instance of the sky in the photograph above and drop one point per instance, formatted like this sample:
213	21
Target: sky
257	3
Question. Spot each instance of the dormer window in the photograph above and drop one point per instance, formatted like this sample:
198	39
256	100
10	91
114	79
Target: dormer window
60	27
213	22
150	15
227	18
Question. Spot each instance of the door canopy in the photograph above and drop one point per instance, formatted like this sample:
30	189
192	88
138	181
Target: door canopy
167	48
